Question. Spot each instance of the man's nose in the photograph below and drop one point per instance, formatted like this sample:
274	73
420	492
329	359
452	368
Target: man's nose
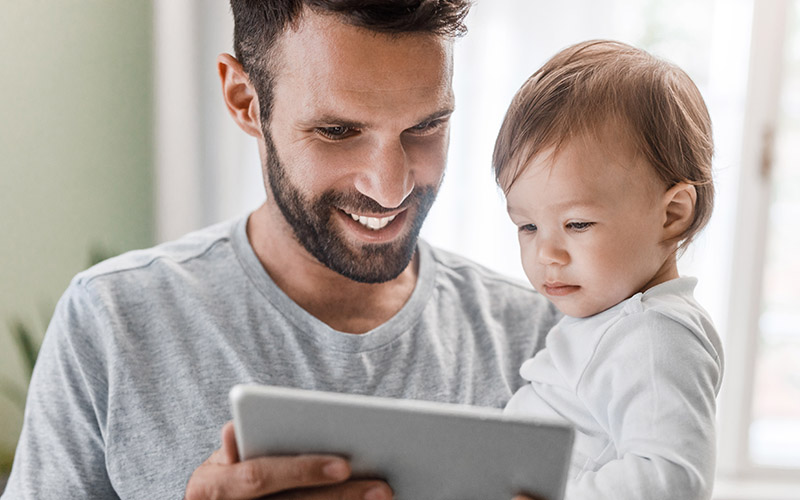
387	177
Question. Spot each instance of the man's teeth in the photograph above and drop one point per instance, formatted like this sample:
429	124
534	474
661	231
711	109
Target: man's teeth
373	223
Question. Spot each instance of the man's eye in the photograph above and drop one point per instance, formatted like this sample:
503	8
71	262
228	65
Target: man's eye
579	226
426	127
528	228
336	133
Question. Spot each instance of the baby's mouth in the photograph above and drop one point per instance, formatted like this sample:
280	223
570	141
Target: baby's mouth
558	289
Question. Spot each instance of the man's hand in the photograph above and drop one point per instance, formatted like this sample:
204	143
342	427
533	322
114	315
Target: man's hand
310	477
307	477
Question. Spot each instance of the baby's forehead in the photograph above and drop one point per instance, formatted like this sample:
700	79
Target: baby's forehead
599	152
583	172
609	137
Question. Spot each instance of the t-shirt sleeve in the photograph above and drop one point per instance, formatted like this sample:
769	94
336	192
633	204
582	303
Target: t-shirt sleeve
651	385
61	452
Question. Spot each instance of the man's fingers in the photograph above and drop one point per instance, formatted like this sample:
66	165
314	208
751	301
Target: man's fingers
229	451
351	490
263	476
291	472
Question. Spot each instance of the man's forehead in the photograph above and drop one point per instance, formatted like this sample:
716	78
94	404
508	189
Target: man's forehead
354	74
323	45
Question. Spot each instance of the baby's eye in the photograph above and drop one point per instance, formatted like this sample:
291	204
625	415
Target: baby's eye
528	228
337	132
579	226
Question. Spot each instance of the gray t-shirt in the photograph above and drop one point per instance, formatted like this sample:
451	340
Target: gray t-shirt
131	388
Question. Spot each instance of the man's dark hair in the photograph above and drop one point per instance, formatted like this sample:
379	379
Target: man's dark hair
259	23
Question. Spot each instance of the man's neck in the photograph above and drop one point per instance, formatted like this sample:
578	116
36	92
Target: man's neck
341	303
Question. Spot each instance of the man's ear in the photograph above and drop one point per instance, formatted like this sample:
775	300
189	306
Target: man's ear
239	94
679	201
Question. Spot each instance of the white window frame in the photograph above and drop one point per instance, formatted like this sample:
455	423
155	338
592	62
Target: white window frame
739	477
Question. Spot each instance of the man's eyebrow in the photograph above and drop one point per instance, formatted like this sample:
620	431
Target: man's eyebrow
338	121
438	114
334	120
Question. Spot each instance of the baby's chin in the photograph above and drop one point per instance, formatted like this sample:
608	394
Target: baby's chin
579	301
575	310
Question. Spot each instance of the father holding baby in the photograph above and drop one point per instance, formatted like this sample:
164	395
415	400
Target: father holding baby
325	286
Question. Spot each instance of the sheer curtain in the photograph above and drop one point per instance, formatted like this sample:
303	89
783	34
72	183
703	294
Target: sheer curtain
207	170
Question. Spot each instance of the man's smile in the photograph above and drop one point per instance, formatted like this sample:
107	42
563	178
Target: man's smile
371	228
370	222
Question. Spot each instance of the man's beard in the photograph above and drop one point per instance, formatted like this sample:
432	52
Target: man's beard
313	224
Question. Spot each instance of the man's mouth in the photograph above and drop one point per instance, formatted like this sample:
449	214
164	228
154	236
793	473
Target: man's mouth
373	223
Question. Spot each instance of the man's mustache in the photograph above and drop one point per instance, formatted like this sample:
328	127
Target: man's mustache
355	202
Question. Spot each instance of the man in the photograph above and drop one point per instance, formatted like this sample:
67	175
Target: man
323	287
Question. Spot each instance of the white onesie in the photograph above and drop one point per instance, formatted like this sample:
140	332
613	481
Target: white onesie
638	381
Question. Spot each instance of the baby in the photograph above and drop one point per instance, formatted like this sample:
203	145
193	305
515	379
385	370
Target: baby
605	160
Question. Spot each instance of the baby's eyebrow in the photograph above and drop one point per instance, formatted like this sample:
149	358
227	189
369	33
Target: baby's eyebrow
575	204
512	210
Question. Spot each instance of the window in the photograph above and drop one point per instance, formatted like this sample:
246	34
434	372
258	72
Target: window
774	431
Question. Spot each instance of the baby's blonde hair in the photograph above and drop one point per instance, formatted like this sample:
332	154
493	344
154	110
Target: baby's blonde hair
589	85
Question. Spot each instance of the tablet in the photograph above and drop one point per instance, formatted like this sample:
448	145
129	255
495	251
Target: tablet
424	450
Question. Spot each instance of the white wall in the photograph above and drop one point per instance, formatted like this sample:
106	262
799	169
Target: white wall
207	170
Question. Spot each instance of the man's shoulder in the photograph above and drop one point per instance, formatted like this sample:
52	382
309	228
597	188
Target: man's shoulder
513	312
478	288
164	258
463	271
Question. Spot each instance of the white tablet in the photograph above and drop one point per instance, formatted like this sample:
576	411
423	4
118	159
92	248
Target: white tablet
424	450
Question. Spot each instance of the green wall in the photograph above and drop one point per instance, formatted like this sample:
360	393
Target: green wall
76	153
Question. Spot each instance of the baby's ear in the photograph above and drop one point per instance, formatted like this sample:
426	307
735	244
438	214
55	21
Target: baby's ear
679	201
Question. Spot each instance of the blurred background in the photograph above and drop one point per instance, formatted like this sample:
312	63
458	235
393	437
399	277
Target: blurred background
113	136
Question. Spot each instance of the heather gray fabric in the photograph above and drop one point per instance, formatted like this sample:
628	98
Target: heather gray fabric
130	391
